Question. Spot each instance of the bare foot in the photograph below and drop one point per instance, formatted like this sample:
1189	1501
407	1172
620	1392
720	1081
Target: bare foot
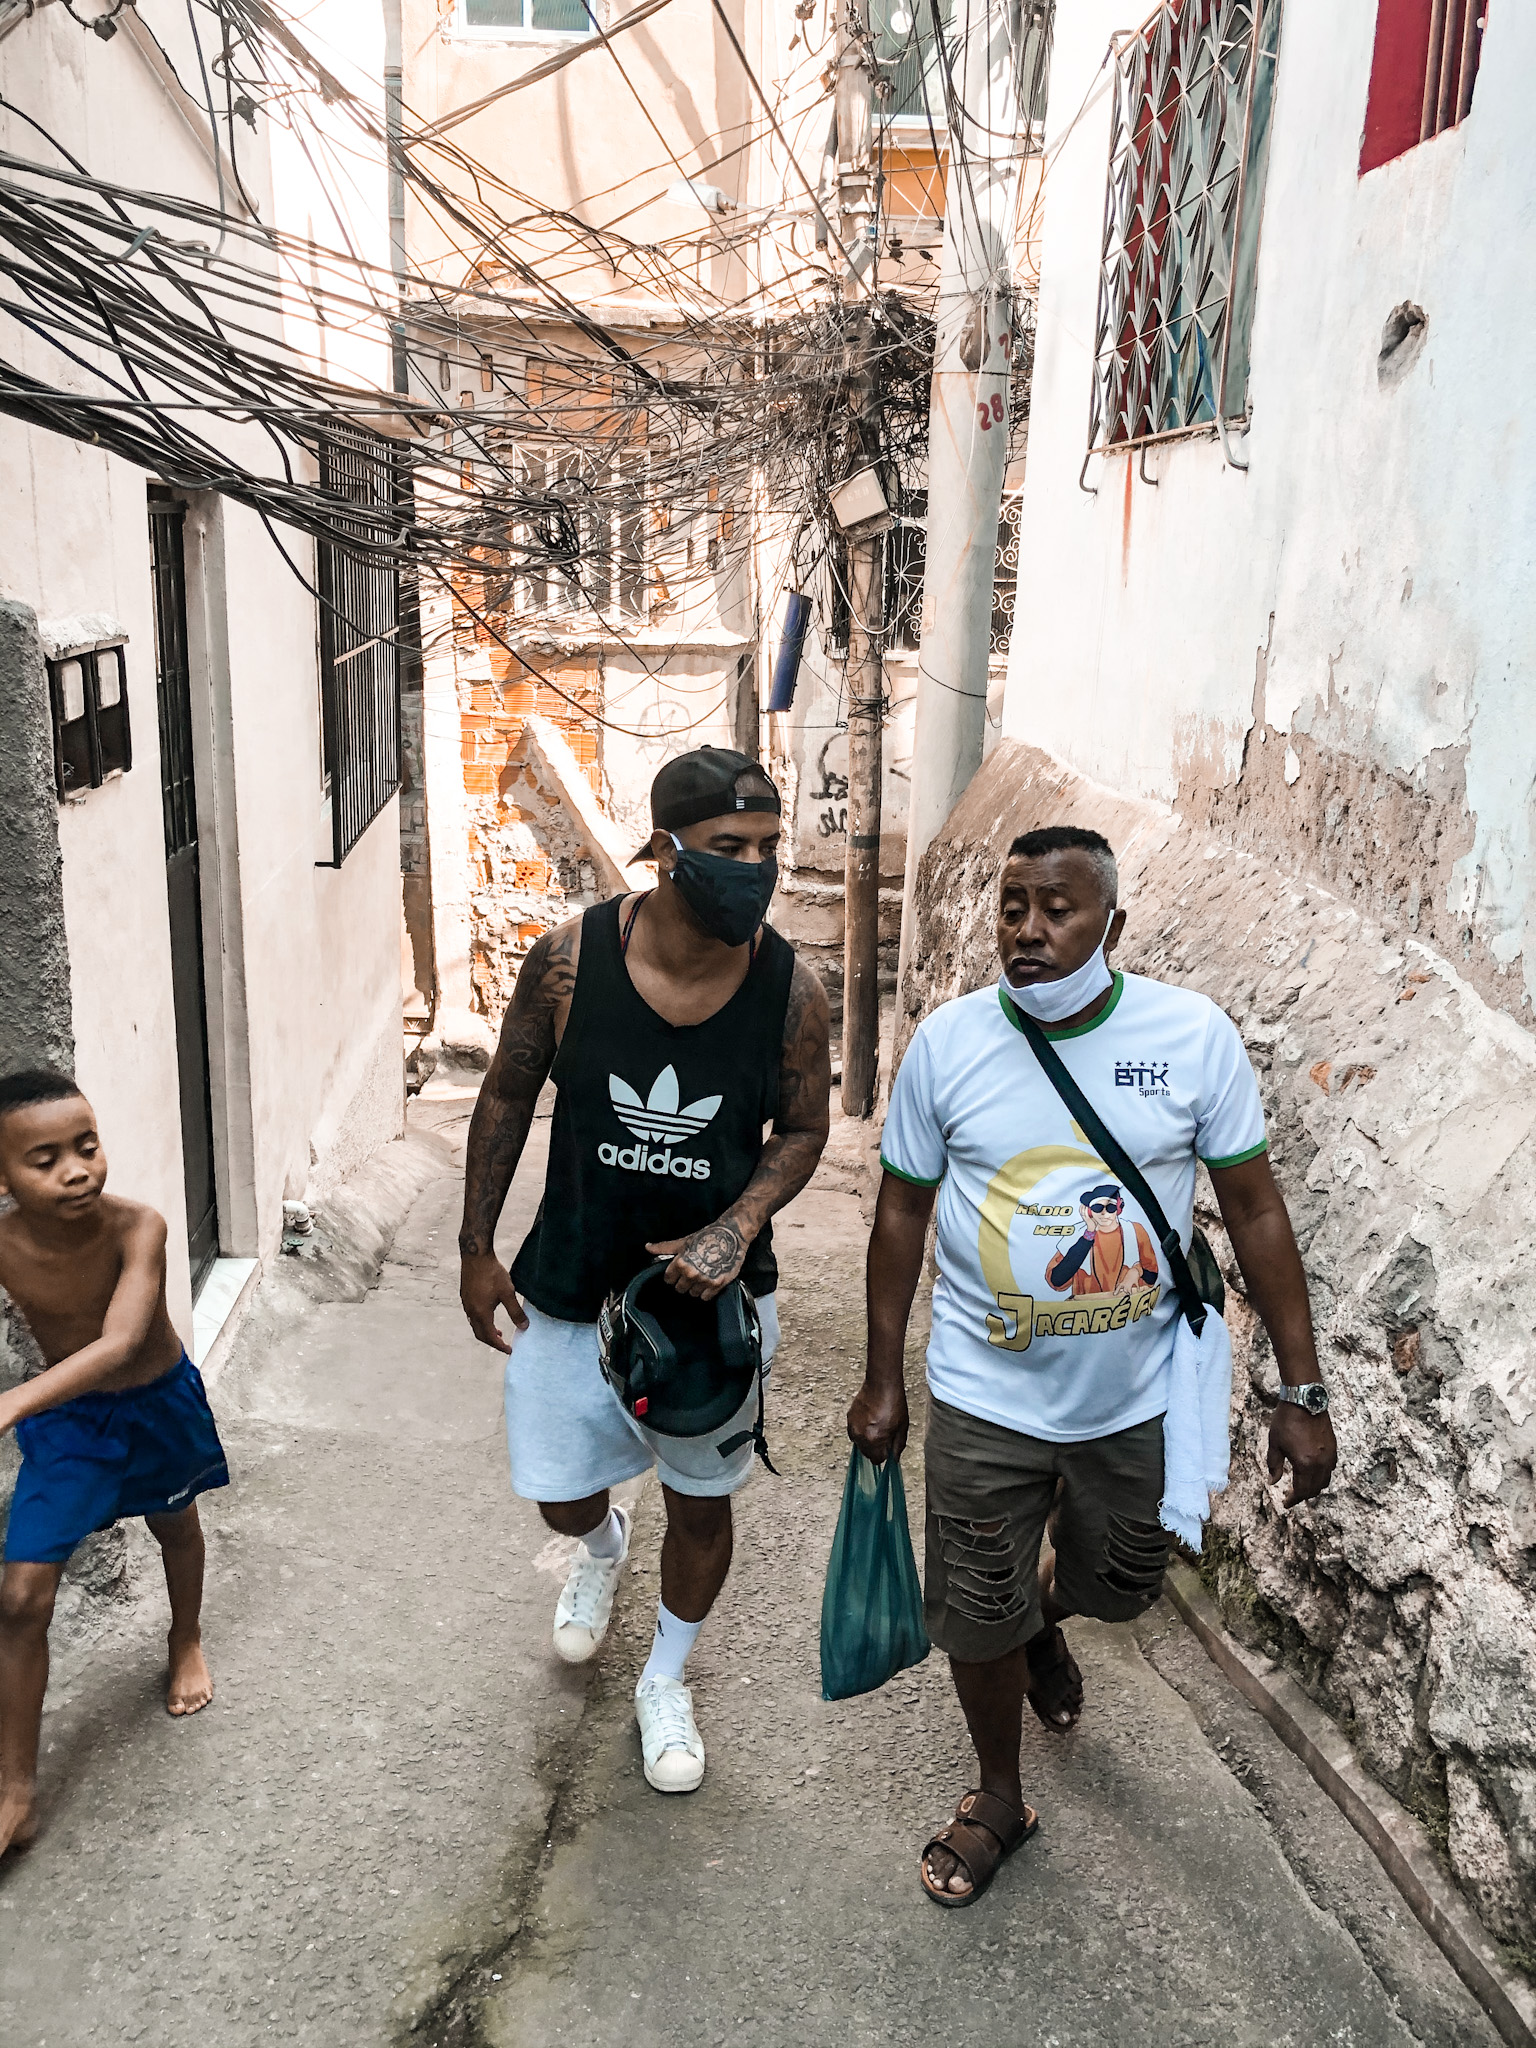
190	1687
18	1821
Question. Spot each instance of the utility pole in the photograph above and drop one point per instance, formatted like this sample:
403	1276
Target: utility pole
968	422
858	227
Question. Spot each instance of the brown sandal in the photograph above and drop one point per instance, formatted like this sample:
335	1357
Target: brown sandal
1056	1668
984	1831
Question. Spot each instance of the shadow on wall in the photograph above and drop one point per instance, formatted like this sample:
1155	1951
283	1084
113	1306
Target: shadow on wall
1401	1107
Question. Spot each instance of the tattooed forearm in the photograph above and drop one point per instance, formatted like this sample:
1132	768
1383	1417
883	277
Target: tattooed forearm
499	1128
544	984
788	1161
805	1066
800	1129
498	1132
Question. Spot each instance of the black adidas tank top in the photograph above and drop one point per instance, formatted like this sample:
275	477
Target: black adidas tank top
658	1127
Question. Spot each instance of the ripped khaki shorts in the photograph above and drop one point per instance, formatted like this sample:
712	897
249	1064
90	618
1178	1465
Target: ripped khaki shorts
992	1495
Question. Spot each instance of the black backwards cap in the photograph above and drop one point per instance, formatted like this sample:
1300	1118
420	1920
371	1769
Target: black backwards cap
702	785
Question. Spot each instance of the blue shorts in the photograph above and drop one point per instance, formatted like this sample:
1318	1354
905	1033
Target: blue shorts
101	1458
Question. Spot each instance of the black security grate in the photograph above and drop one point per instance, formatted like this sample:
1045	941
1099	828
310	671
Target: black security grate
359	651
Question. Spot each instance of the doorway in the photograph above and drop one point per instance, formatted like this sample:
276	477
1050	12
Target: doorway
183	879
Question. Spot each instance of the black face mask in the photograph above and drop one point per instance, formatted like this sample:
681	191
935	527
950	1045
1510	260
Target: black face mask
728	897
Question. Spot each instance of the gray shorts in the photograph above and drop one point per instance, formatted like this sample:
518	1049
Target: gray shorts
991	1495
569	1435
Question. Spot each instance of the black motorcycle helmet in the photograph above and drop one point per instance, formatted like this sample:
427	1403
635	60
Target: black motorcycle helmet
683	1366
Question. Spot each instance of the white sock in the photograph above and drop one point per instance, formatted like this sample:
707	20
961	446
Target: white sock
669	1646
607	1539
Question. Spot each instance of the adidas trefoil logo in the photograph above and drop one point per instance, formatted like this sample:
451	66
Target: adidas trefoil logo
659	1120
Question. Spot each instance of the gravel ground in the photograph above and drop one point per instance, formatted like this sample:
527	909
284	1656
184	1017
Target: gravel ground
402	1821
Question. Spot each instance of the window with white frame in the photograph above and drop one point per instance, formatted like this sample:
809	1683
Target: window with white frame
496	18
1189	146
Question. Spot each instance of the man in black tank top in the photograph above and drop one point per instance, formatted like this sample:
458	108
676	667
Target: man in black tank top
676	1026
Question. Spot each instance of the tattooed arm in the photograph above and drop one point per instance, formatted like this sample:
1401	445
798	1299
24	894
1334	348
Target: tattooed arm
499	1128
708	1261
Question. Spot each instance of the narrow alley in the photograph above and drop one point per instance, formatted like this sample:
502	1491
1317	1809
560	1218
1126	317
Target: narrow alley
404	1821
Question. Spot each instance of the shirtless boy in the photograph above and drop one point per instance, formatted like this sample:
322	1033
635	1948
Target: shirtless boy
114	1423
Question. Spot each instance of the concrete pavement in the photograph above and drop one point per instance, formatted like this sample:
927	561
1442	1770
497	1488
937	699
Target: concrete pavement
403	1821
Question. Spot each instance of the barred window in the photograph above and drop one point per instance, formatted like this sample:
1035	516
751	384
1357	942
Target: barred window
912	65
1423	69
906	558
1005	576
359	652
580	549
909	58
1189	146
906	561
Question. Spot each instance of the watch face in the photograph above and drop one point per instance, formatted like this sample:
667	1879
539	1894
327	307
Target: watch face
1314	1400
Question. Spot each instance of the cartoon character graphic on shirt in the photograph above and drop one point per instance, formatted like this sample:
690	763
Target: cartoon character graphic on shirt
1112	1257
1108	1272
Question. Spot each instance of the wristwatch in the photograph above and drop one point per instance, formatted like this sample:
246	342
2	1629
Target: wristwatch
1313	1397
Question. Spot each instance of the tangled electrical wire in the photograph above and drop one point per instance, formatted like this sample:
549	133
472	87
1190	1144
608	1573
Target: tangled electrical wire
607	466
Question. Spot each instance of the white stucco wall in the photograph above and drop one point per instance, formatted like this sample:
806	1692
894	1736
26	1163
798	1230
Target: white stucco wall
302	962
1379	545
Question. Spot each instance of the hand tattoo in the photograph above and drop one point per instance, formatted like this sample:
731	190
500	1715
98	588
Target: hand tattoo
715	1252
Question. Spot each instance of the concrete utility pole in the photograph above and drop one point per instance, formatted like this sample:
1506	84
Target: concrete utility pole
857	223
968	424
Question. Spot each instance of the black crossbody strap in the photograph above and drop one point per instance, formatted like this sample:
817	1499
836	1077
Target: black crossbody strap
1116	1157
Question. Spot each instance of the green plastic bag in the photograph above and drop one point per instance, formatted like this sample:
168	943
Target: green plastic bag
872	1609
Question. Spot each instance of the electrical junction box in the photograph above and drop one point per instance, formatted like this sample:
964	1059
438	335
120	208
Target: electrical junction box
859	504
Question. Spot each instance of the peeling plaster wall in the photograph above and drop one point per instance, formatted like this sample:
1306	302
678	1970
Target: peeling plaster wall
1327	656
1297	700
1400	1106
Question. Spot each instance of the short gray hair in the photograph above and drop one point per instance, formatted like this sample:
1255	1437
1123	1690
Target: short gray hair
1073	839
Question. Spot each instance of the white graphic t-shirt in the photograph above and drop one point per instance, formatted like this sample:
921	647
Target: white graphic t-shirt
1054	1309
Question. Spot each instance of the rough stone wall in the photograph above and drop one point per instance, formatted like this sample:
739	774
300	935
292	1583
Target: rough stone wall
35	1024
1401	1107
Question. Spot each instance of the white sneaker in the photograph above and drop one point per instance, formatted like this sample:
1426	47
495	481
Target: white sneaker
581	1614
674	1755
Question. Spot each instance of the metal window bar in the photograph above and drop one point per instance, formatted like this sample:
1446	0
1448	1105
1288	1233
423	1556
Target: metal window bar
1183	194
359	643
906	557
912	67
1450	72
169	572
1005	578
634	565
906	560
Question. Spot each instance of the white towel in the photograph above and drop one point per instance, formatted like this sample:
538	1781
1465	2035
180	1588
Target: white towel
1197	1440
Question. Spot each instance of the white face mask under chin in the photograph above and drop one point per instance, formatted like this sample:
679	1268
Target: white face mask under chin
1049	1001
